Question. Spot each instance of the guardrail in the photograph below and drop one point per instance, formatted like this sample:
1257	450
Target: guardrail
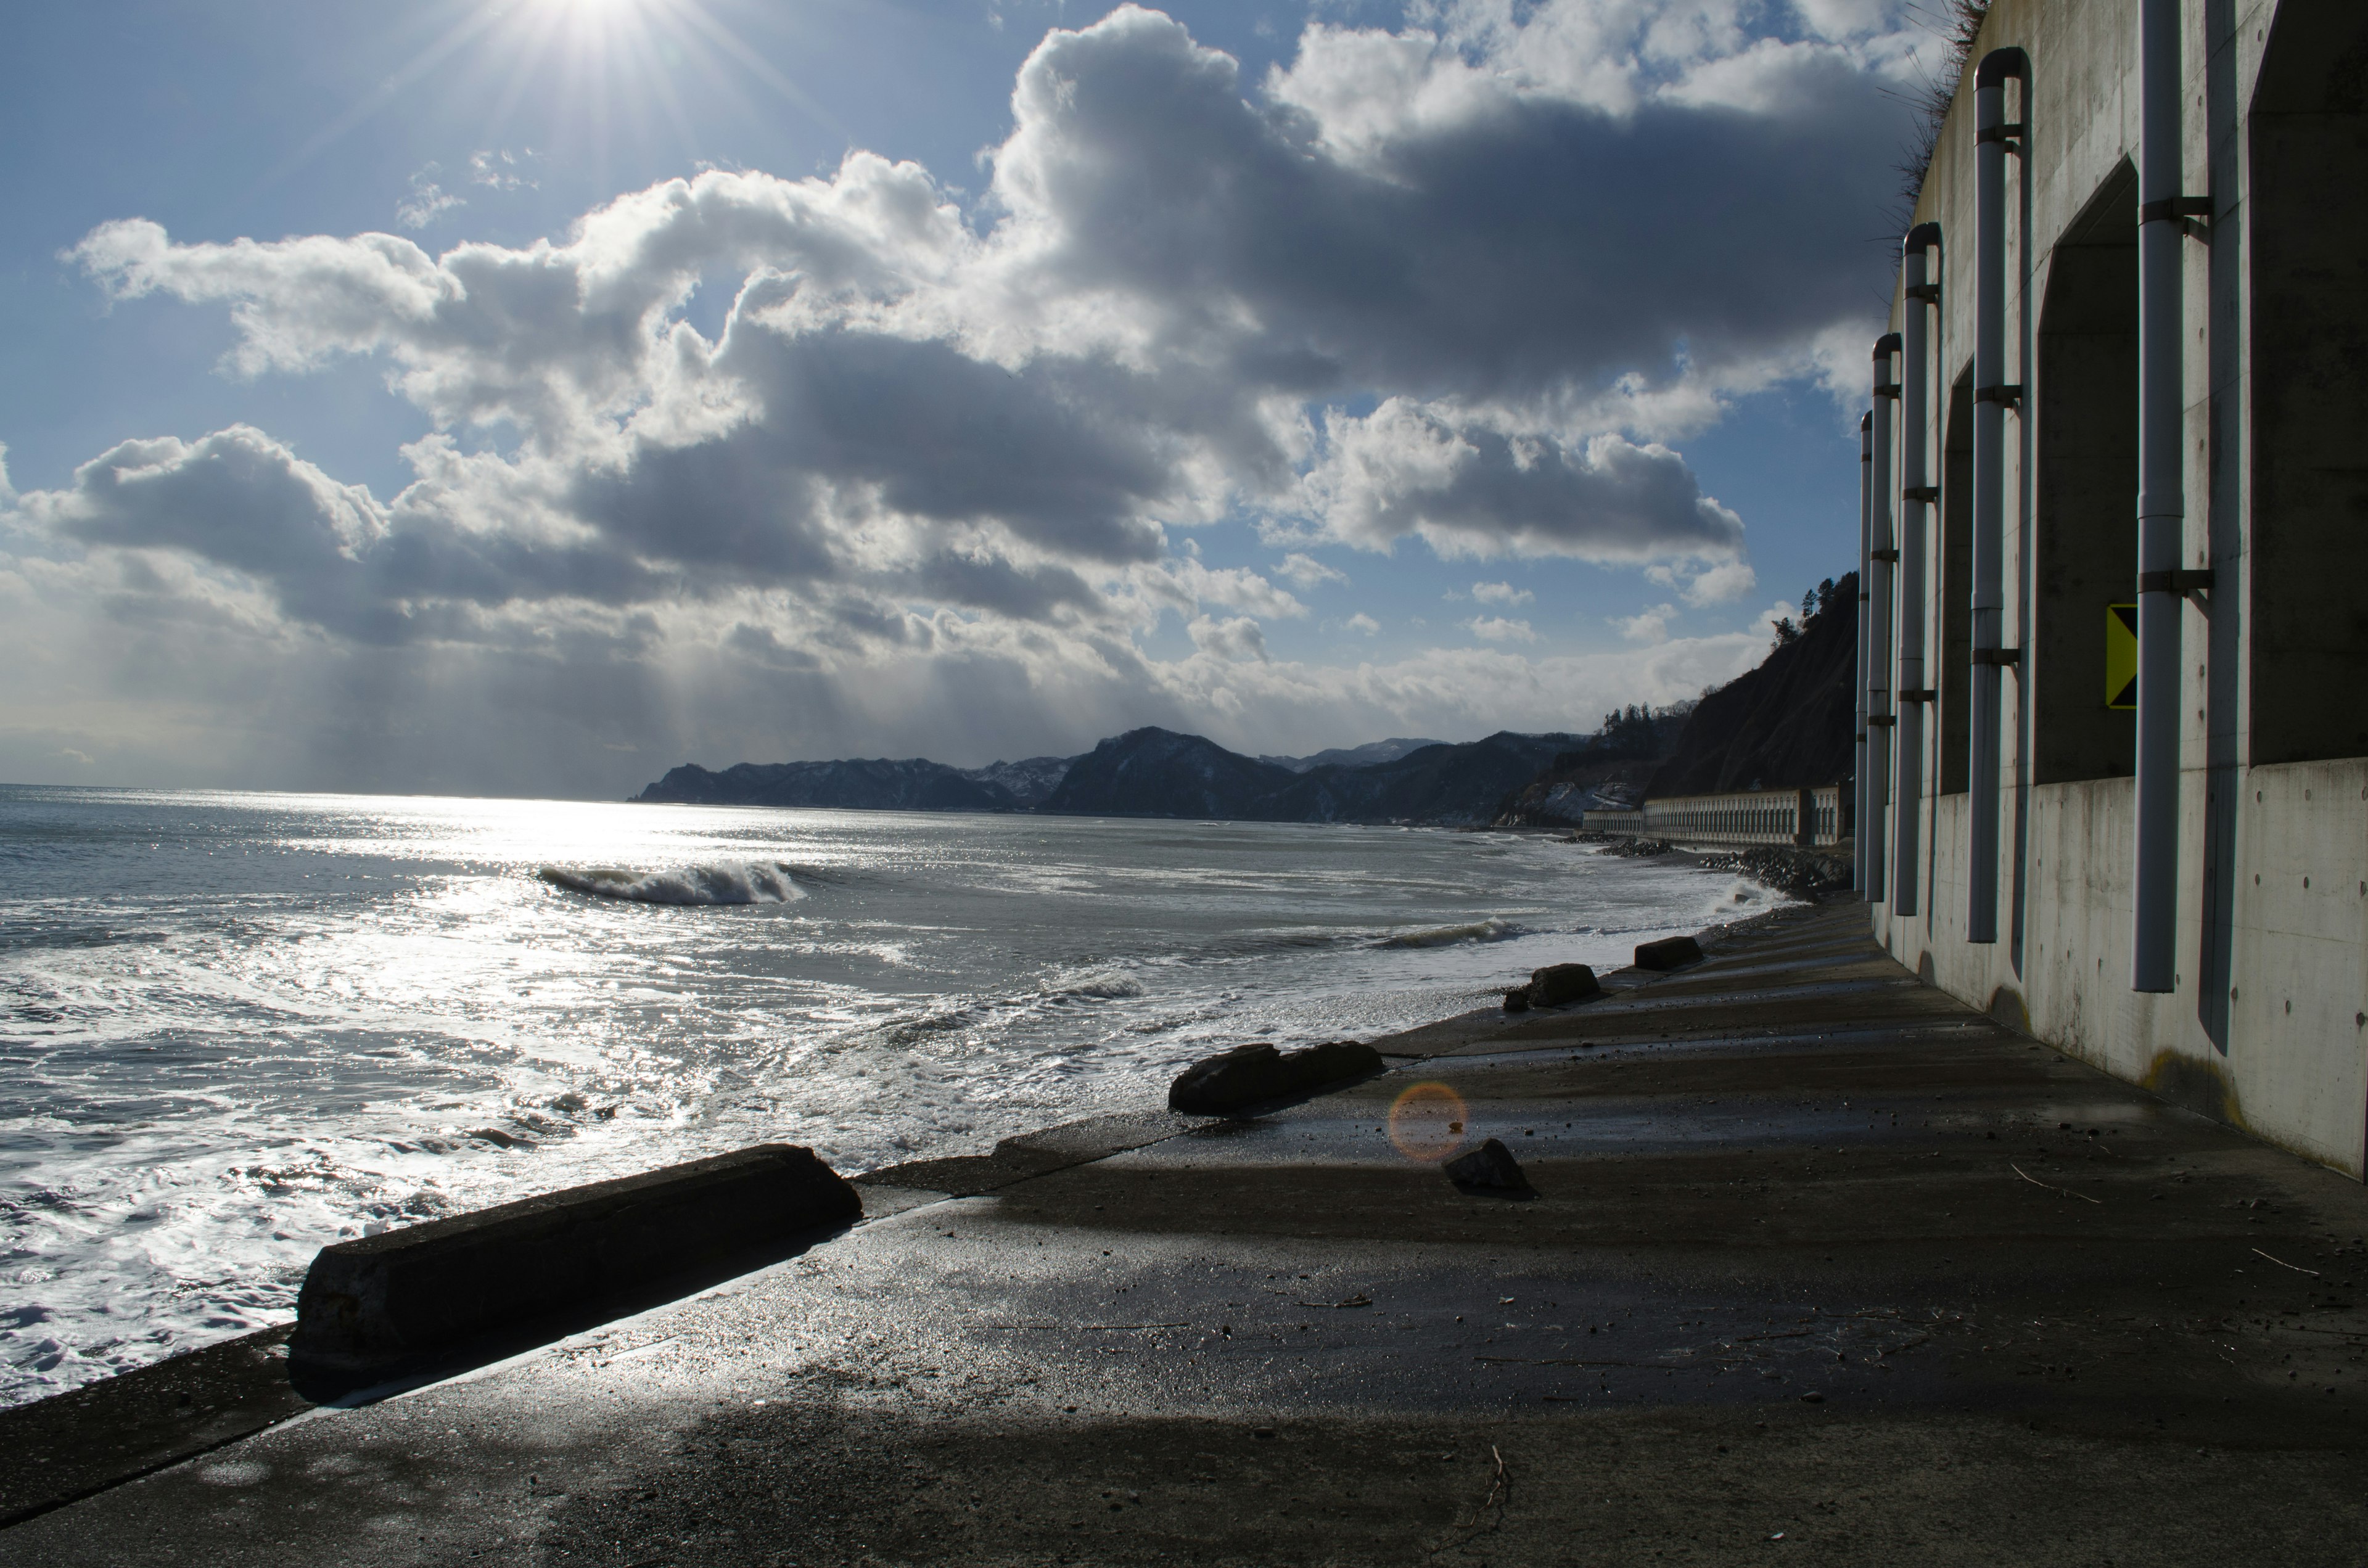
1801	818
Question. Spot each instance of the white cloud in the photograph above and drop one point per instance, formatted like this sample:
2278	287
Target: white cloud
1471	490
1308	572
1726	580
1362	623
426	201
1502	594
1186	584
1649	626
1706	581
1238	639
1497	629
502	169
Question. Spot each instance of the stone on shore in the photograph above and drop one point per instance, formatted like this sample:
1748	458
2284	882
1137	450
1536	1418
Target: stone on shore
1251	1074
1490	1165
1517	1000
1669	952
1560	982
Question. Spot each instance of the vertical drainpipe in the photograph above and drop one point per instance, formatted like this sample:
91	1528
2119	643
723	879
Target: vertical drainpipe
1882	551
1916	492
1992	393
2162	501
1865	581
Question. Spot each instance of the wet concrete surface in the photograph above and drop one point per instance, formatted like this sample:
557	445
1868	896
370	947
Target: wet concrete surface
1815	1263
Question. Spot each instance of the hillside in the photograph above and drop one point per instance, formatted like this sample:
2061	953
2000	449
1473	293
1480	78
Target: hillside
1159	773
913	785
1607	769
1153	773
1785	725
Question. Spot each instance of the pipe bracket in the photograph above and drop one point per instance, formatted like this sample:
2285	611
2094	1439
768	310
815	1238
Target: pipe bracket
2180	583
1886	389
1885	555
1881	721
2005	657
2173	207
2011	132
1918	694
1926	493
1927	292
2006	393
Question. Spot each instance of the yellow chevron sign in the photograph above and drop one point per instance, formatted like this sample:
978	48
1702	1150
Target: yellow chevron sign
2121	656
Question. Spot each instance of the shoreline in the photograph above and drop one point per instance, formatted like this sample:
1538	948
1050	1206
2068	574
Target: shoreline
167	1412
1909	1266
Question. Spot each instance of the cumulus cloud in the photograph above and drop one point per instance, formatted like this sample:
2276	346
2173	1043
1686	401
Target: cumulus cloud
1702	582
1468	490
1236	639
426	202
1646	625
1502	594
1522	240
1362	623
1308	572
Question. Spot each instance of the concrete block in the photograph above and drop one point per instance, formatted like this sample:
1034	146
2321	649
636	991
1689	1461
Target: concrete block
1669	952
1251	1073
385	1302
1560	982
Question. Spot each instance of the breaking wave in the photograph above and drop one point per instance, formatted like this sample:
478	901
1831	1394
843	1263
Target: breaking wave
747	882
1489	930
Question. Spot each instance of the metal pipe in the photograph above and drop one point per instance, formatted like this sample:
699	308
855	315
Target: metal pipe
1866	576
2162	501
1880	553
1991	394
1916	492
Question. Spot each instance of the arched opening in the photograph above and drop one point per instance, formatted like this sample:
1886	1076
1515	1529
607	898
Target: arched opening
1955	674
2086	404
2306	203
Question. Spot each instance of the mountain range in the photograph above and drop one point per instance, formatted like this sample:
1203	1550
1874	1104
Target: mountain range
1155	773
1786	724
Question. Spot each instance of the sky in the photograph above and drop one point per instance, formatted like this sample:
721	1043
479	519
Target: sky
522	398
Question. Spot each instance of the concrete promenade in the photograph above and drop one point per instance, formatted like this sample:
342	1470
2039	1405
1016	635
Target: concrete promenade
1819	1267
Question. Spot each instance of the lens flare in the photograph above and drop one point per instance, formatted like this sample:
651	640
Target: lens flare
1427	1122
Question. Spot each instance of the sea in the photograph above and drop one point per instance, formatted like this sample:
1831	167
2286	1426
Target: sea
235	1028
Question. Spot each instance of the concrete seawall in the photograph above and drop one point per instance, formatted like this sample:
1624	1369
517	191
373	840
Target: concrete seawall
1812	1259
381	1305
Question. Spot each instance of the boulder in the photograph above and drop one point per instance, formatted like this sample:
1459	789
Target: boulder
1248	1075
1669	952
1560	982
1517	1000
1490	1165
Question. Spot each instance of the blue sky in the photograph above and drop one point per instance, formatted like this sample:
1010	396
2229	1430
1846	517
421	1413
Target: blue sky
526	397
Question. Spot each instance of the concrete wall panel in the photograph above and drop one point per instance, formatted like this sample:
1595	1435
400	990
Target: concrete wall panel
2268	1026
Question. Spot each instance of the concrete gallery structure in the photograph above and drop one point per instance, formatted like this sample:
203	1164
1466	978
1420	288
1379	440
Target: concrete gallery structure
2113	783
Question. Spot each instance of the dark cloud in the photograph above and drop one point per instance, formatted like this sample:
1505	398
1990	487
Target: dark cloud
1528	245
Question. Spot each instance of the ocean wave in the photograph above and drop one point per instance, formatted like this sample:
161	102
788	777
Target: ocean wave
1489	930
1092	990
743	882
